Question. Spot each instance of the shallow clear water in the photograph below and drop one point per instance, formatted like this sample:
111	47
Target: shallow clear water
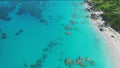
49	42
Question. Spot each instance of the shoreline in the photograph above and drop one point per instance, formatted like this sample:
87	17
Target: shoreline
113	43
112	46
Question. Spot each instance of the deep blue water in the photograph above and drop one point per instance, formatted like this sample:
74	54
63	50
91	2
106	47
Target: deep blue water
36	35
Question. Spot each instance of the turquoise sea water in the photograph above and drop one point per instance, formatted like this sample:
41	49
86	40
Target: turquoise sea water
46	41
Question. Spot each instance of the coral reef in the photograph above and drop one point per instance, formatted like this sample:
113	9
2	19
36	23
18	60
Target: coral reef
39	62
46	51
33	10
68	33
6	10
3	36
67	61
79	61
18	33
68	27
88	59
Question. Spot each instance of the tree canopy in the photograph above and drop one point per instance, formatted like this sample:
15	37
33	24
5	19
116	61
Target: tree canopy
111	10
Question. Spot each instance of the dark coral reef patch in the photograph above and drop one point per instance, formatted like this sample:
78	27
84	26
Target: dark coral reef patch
6	9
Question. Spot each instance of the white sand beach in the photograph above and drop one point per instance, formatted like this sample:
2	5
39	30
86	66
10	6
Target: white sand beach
112	39
112	42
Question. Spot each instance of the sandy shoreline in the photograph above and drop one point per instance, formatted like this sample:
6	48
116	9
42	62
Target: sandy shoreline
113	43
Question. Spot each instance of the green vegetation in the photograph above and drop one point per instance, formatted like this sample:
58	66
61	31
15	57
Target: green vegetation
111	13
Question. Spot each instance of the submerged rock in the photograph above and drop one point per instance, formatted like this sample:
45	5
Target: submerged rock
32	66
41	60
74	62
68	33
82	64
17	33
75	28
67	27
80	58
43	21
52	43
36	66
20	31
74	15
87	59
67	61
78	61
72	22
92	63
4	36
38	62
44	56
45	49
